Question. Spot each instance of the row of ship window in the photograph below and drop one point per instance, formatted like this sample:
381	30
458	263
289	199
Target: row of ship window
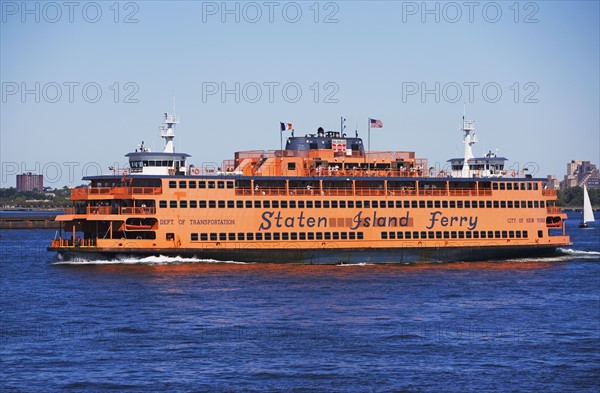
514	186
277	236
455	235
229	184
240	236
200	184
352	204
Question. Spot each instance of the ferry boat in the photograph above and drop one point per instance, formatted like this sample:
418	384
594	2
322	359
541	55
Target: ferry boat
323	199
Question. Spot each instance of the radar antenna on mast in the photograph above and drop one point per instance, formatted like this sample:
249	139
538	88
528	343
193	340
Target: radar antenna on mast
469	139
168	133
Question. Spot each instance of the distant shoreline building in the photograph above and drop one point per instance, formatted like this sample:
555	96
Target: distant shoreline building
30	181
552	182
581	172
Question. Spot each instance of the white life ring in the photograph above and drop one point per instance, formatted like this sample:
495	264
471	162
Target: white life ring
196	171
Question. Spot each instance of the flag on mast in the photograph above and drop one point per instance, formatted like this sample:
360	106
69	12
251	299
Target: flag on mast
375	123
285	126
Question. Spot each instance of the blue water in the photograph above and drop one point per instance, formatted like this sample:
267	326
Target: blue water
163	324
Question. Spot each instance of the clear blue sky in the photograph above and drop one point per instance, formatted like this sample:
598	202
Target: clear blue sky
368	61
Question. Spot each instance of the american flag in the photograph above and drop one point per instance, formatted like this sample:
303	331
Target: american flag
376	123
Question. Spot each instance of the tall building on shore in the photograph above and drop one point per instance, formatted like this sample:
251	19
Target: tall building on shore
30	181
552	182
579	173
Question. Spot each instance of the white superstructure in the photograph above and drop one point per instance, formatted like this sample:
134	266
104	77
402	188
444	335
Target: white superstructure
470	166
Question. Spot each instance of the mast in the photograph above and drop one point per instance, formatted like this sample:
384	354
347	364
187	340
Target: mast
469	139
168	133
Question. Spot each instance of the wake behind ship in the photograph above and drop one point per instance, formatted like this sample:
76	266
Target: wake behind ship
323	200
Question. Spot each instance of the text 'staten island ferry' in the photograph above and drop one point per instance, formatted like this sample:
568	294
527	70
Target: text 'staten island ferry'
323	199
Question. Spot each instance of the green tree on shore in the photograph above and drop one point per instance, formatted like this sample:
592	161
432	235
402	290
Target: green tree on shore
573	197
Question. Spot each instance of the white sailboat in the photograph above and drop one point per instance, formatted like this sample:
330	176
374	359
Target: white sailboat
588	213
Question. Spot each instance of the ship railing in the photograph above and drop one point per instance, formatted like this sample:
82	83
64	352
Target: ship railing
554	210
467	192
440	192
138	210
66	243
402	191
109	210
304	191
136	190
269	191
98	210
549	192
307	154
369	191
333	171
337	192
84	192
390	155
363	191
79	192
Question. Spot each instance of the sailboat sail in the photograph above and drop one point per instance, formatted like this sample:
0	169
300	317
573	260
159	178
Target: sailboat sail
588	213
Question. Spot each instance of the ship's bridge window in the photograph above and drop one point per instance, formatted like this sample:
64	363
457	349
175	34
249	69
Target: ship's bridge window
291	166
